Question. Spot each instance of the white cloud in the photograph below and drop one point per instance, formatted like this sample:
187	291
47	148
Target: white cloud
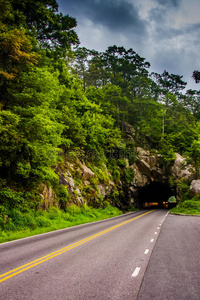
188	14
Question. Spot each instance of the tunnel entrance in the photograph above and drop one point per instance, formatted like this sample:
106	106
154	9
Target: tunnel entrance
154	195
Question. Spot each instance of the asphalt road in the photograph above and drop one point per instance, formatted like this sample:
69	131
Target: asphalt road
102	260
173	271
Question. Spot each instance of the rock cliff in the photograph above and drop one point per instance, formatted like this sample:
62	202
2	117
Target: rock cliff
93	186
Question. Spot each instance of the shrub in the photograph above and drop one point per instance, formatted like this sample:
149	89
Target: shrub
102	175
54	213
129	175
188	207
63	195
196	198
184	190
116	175
121	163
191	204
9	226
85	208
94	181
23	220
41	221
3	213
115	196
65	216
73	209
10	199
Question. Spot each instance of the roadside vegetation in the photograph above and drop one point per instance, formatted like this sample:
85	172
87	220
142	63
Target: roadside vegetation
188	207
26	222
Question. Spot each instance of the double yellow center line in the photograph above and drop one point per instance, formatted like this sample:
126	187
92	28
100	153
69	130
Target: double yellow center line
40	260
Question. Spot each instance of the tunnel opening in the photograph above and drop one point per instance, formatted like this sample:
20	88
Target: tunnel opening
155	195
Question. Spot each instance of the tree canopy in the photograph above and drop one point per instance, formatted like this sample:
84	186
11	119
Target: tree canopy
56	99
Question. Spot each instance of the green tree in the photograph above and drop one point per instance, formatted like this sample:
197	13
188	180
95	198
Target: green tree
53	29
169	83
30	148
194	154
191	100
196	76
124	65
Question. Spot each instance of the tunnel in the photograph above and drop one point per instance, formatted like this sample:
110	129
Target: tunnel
154	195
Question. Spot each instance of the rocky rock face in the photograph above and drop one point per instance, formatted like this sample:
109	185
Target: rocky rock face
47	197
82	183
86	173
80	180
180	169
147	170
67	180
102	190
147	165
195	188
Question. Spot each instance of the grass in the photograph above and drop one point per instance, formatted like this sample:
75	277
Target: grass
188	207
25	224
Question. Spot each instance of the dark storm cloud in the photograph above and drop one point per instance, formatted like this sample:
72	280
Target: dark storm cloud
194	28
173	3
165	32
112	14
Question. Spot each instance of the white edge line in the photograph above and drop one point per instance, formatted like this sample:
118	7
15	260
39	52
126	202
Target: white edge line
152	240
136	272
146	251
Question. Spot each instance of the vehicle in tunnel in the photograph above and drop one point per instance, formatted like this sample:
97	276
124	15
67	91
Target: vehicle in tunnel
154	195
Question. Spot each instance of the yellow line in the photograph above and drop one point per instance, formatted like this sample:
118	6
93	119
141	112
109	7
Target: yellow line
60	251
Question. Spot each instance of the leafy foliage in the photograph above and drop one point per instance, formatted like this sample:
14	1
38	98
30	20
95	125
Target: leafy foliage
58	103
191	207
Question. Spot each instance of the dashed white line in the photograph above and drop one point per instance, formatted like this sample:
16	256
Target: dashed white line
136	272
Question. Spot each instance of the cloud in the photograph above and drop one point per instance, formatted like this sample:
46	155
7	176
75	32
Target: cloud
169	3
165	32
115	15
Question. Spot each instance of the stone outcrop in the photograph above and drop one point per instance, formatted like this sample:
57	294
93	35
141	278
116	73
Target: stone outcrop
69	181
148	165
86	173
84	186
180	169
147	170
102	190
140	179
129	131
78	180
195	188
47	197
144	168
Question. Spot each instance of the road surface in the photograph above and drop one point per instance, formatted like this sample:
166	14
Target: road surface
173	271
101	260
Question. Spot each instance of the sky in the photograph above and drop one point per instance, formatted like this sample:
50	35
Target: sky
165	32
